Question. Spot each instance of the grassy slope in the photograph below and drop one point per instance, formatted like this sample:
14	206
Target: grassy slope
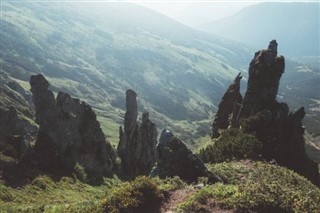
97	54
97	51
254	186
45	194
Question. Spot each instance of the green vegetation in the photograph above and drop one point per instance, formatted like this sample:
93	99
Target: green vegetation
249	186
232	145
140	195
256	186
97	56
45	194
197	201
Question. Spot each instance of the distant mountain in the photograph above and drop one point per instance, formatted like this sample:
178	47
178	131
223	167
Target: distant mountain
295	26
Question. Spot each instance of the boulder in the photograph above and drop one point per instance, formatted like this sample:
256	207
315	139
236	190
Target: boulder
69	133
137	142
175	159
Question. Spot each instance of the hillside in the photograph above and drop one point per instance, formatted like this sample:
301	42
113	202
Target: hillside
294	25
97	51
92	67
250	187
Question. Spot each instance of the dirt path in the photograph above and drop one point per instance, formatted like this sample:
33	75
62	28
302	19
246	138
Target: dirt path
175	198
181	195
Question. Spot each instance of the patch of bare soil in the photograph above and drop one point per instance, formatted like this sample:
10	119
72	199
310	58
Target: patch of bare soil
180	195
175	198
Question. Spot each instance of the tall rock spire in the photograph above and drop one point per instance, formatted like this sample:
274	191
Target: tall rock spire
280	132
265	71
137	144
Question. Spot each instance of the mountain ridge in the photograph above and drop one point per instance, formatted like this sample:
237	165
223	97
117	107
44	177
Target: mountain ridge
300	21
96	58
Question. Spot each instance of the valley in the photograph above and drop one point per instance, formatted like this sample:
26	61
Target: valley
113	107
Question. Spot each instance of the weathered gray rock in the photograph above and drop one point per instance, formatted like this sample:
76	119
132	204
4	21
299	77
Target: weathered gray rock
69	133
280	132
137	143
175	159
228	108
265	72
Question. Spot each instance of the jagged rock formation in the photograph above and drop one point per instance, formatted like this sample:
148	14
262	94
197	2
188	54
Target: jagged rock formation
280	132
228	108
175	159
137	143
69	133
265	71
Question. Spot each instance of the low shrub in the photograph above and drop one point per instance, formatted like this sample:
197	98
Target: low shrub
232	145
43	182
264	187
196	202
141	194
170	184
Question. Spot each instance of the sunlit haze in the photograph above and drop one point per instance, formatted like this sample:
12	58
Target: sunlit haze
195	13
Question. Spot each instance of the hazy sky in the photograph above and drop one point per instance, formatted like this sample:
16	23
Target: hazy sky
194	13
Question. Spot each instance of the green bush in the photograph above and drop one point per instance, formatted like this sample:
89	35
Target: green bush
255	187
264	187
172	183
196	202
232	145
141	194
43	182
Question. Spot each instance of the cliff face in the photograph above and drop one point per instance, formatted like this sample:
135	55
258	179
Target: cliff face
228	108
280	132
137	142
69	132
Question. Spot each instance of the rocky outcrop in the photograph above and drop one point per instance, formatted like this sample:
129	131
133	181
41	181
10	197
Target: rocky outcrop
69	133
280	132
175	159
228	108
137	143
265	71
